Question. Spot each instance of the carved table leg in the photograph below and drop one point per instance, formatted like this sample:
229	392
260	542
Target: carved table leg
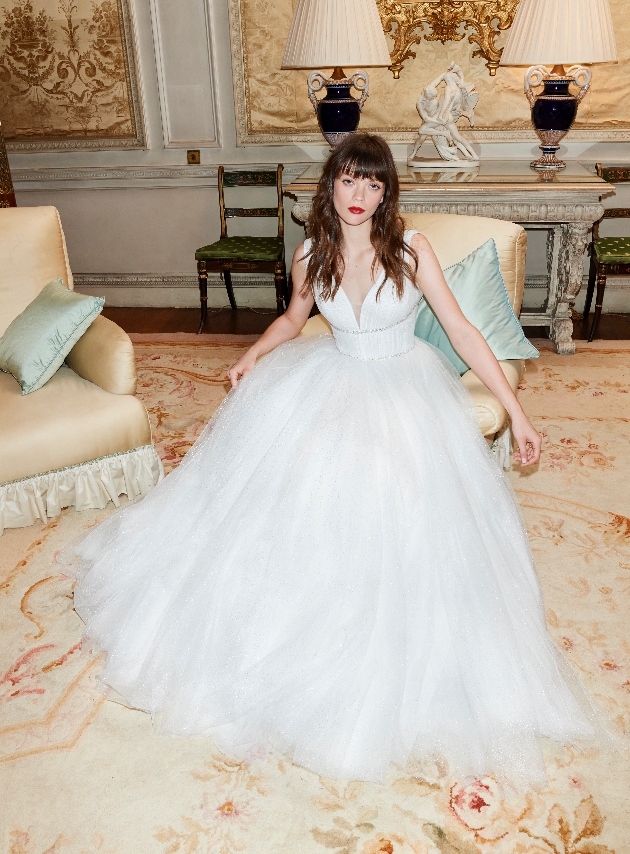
570	271
554	242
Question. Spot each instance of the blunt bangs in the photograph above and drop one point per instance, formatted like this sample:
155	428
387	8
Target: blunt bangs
363	167
367	157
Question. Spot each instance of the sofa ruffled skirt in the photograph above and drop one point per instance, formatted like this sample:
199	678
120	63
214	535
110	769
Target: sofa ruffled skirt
84	486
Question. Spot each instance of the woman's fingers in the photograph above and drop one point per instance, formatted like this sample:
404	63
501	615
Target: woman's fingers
529	443
237	373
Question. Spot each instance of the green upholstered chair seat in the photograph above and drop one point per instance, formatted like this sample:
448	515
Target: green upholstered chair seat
243	249
612	250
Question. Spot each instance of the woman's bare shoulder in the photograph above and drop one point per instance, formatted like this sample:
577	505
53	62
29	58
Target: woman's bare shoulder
419	242
300	256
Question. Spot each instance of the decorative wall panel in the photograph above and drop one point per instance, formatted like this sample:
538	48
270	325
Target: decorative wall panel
67	75
272	105
184	57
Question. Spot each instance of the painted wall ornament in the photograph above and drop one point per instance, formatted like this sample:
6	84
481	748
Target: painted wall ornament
67	75
440	109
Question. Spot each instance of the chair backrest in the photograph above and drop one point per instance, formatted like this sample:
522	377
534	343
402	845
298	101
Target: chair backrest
614	175
32	253
257	178
454	236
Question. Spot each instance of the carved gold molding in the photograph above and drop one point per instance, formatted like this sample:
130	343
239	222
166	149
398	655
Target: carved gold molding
403	21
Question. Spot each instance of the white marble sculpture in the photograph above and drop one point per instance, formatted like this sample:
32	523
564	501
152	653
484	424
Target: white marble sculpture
440	110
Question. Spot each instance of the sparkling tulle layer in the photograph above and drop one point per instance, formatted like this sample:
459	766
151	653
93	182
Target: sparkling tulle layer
339	568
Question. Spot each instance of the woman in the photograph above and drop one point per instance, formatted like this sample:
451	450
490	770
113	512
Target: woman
338	567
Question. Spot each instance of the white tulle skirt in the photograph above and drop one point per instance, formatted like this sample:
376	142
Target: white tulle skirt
338	568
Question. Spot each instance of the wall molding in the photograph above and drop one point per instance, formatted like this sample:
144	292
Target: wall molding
614	283
196	176
149	280
144	290
215	142
252	280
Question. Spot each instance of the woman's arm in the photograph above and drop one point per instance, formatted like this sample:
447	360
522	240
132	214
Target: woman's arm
284	328
472	347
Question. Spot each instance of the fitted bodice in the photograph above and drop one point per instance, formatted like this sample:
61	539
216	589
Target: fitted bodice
384	328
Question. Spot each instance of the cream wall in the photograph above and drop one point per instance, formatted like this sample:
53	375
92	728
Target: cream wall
134	218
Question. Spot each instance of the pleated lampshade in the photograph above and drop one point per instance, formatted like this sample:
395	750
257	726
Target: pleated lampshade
329	33
560	32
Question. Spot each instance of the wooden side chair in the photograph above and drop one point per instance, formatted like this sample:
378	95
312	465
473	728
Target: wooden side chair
245	254
610	256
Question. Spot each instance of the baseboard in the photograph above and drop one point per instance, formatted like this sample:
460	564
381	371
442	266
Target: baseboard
253	290
147	290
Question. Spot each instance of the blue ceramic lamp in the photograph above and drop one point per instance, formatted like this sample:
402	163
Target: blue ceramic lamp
336	34
558	33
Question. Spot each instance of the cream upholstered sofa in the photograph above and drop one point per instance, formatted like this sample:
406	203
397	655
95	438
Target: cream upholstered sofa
453	237
82	439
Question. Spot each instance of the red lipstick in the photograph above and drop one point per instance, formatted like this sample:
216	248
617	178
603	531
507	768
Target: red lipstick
356	210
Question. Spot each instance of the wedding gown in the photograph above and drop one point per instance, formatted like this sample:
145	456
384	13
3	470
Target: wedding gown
337	568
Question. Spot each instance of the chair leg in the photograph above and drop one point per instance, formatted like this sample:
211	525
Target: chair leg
592	275
599	301
280	277
227	278
203	293
285	289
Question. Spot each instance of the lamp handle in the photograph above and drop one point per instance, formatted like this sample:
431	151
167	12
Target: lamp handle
582	78
316	82
361	81
534	76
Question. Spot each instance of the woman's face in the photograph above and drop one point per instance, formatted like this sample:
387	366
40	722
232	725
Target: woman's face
356	199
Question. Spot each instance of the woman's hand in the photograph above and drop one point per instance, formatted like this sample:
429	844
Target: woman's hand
528	440
244	365
284	328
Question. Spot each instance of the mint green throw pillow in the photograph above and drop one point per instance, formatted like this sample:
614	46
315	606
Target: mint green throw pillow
37	341
478	287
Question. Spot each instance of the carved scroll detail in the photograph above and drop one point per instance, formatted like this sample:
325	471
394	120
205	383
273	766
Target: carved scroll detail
403	21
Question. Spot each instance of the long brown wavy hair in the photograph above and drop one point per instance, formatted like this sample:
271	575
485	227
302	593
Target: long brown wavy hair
360	155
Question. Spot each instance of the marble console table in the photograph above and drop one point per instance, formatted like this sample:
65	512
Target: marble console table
566	206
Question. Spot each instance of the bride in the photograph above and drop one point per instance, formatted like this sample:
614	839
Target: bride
338	568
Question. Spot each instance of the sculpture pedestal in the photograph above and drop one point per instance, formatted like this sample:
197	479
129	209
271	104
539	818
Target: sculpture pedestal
427	163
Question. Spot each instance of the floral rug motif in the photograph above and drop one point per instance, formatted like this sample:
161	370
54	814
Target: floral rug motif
82	775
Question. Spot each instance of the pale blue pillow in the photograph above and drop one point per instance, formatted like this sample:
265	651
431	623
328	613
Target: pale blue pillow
37	341
478	287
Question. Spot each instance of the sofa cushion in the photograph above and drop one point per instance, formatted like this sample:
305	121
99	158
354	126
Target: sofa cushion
454	236
66	422
478	287
37	341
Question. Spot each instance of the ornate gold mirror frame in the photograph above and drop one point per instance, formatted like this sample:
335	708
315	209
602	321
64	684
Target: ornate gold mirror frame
444	18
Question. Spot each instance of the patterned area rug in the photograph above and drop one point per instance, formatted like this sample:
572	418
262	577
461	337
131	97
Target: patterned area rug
80	775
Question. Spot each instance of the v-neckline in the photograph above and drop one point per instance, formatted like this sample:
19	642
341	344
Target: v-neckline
378	281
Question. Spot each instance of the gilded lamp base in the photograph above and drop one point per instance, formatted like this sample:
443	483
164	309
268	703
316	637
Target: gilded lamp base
550	143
